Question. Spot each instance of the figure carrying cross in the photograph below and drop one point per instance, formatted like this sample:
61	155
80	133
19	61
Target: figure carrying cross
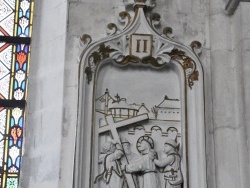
115	152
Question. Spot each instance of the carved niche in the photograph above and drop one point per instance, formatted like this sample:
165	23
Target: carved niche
141	109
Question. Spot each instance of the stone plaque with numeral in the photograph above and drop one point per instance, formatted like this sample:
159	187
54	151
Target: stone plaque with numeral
141	45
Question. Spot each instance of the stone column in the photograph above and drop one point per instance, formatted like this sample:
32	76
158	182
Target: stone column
41	155
229	129
243	47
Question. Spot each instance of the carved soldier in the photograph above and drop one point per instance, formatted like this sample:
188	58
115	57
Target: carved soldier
144	165
129	157
112	173
171	162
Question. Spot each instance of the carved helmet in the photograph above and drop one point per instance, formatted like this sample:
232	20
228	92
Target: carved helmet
124	140
171	142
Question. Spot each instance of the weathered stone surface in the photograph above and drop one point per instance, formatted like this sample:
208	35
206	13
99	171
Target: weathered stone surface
226	158
42	147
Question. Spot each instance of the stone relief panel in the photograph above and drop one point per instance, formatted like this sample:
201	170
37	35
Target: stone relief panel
141	123
139	131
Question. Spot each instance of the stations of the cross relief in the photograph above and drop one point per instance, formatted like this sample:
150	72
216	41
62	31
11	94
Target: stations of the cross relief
140	145
141	108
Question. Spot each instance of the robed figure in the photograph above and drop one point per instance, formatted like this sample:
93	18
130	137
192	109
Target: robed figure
112	174
129	157
144	165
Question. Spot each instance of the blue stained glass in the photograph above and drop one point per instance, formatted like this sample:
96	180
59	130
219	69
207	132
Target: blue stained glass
19	30
15	84
12	121
20	122
28	13
25	66
20	13
19	143
26	49
18	162
17	66
11	142
9	162
18	48
23	85
21	125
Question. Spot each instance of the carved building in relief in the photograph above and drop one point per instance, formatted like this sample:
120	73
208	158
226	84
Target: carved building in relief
148	137
139	89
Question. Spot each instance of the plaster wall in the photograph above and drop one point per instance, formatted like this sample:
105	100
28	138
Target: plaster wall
53	83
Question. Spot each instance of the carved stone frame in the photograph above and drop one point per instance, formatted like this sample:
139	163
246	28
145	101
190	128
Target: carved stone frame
192	90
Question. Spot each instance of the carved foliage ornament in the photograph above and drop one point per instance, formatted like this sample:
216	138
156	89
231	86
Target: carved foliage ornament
136	141
155	49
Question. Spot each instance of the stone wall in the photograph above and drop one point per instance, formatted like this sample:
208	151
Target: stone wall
53	83
43	129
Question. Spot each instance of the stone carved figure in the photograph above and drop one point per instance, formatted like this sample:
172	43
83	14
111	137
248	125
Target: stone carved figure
144	165
171	162
126	169
112	174
129	157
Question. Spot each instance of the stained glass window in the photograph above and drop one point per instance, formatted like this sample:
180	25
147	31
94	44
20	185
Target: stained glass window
15	34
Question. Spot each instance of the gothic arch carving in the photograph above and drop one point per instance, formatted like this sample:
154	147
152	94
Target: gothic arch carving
113	120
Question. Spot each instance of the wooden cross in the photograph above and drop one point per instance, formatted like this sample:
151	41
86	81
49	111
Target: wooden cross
112	127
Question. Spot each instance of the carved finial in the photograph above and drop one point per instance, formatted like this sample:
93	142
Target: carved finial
140	1
117	97
111	29
140	4
123	15
86	39
84	42
166	97
196	47
155	19
144	3
168	32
